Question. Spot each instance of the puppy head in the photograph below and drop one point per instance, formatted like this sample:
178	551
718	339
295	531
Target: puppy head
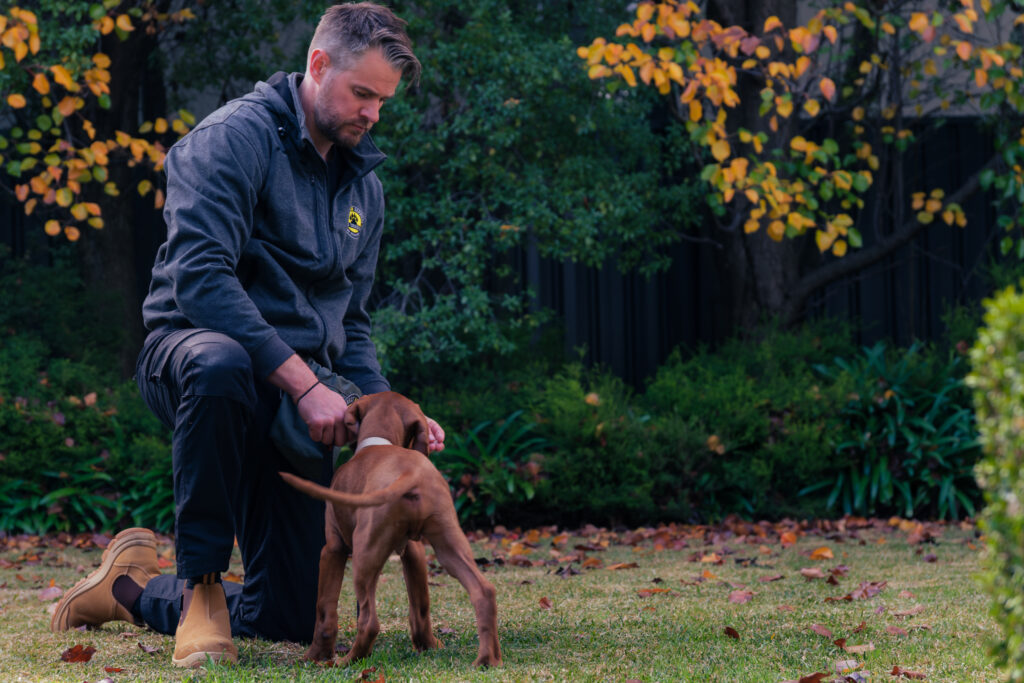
391	416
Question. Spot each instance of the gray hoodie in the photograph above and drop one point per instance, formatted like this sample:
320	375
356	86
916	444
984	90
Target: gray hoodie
258	245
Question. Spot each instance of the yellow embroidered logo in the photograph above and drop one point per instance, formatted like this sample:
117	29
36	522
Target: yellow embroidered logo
355	222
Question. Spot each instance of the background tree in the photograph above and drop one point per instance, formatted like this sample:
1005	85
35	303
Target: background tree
797	126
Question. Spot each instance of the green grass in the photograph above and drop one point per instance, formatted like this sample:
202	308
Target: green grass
600	626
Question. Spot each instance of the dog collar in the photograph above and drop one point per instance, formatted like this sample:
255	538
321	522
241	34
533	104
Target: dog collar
373	441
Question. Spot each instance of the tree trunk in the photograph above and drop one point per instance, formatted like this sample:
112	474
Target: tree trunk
756	272
111	257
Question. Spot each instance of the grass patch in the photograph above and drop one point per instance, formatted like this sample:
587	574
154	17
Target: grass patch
566	613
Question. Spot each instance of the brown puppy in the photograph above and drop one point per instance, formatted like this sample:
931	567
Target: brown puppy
384	500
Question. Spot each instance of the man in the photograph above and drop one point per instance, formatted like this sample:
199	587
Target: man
274	218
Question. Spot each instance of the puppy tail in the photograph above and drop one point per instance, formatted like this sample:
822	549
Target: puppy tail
385	495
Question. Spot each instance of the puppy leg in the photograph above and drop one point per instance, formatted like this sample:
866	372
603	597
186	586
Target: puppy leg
456	556
414	568
332	571
371	548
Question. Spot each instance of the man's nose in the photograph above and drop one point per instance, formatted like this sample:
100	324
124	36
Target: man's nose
371	112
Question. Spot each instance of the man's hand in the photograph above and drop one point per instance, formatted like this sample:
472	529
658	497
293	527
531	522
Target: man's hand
322	409
435	441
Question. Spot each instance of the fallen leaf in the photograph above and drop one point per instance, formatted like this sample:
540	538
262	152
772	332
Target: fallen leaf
545	602
112	669
149	650
713	558
768	579
860	627
896	631
859	649
900	671
844	666
822	553
732	633
786	608
821	630
51	593
906	594
811	573
787	539
840	643
592	563
78	654
709	575
741	597
622	565
648	592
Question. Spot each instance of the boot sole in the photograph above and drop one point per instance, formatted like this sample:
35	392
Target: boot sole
197	659
125	539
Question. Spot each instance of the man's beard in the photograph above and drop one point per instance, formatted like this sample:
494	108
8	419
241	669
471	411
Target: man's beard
339	132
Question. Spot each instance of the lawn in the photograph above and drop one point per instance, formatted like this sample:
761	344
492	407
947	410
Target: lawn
868	600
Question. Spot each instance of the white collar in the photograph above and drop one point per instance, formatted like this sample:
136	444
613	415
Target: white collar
373	441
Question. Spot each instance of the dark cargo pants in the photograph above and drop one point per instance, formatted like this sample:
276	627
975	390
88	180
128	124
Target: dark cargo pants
200	384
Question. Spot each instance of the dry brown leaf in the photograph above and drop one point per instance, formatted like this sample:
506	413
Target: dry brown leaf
859	649
899	671
820	630
622	565
768	579
915	610
78	654
732	633
896	631
811	573
545	602
741	597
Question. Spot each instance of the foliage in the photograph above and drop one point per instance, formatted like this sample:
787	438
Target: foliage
908	443
53	81
78	449
494	467
738	429
998	384
489	154
780	177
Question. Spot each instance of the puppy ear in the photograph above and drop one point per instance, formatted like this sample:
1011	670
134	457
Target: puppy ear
417	435
353	416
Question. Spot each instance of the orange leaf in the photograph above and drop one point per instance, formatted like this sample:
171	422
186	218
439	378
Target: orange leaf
545	602
623	565
16	101
788	538
822	553
741	597
52	228
124	22
41	84
828	88
821	630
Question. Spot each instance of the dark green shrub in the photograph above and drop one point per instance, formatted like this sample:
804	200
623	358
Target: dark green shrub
744	428
905	441
494	468
997	381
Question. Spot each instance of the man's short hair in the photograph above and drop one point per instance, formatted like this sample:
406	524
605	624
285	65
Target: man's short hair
347	31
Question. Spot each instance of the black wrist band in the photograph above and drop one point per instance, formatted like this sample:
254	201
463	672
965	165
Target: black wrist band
303	394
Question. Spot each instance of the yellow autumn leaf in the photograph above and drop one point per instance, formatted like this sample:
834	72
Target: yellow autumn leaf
772	23
79	212
751	195
824	240
831	33
101	60
72	233
721	150
777	230
64	197
751	226
812	107
919	22
20	50
925	217
96	223
106	25
948	217
124	22
52	228
16	101
980	77
933	205
785	108
63	77
144	187
696	111
839	248
917	201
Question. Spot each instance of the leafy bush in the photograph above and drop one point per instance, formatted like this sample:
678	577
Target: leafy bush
997	381
739	429
78	449
494	468
906	442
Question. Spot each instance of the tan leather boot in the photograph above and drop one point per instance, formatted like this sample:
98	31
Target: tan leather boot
204	631
90	602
